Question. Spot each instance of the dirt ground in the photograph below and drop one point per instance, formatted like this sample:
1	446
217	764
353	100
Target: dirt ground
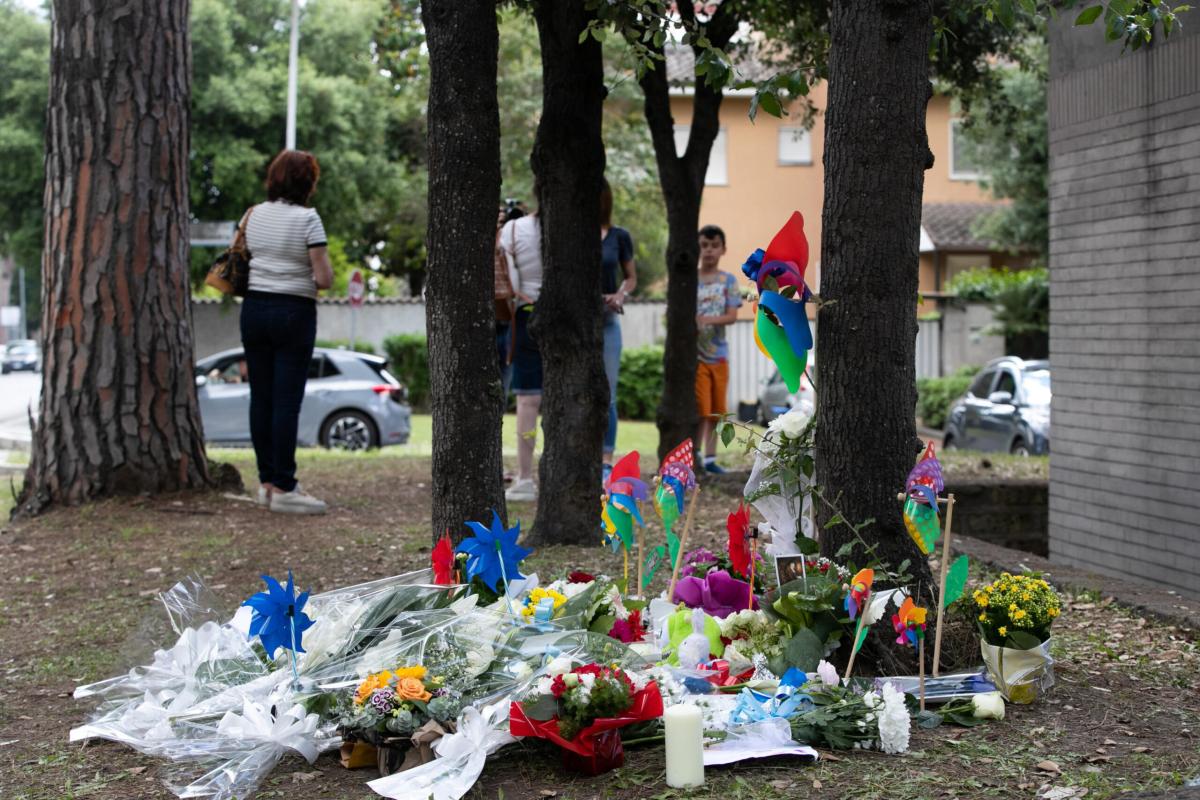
77	586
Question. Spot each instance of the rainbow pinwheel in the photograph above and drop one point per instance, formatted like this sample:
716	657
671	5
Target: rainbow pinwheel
781	327
675	480
493	554
442	561
920	513
860	588
622	492
909	623
279	619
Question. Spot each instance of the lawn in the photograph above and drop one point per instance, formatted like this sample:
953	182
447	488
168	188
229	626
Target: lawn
77	589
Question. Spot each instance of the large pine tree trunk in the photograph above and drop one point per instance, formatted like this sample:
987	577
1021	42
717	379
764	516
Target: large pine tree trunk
118	412
682	180
876	154
464	188
568	159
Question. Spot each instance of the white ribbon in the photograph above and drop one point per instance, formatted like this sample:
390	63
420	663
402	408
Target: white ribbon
291	730
460	758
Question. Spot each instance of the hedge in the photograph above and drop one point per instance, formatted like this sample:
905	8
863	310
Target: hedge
935	396
408	360
344	344
640	384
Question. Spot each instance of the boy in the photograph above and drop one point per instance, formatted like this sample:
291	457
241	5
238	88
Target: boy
717	302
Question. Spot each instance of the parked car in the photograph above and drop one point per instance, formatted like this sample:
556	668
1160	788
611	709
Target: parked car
23	355
351	401
1006	409
775	399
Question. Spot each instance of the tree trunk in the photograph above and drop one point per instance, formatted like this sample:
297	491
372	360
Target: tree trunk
682	181
464	188
876	154
568	160
118	411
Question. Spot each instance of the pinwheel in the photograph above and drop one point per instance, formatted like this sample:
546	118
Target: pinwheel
279	619
442	561
622	491
781	327
922	488
859	589
493	554
909	623
675	480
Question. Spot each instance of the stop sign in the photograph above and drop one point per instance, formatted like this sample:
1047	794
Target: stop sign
356	290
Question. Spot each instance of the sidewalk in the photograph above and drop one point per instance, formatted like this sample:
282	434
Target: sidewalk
15	437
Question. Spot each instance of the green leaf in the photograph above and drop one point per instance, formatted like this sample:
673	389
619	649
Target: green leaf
1030	6
583	34
804	650
543	708
1023	640
844	550
836	519
727	433
956	581
1089	15
928	719
963	718
807	546
603	624
770	104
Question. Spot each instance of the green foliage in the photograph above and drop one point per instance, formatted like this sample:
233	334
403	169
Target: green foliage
408	360
1004	125
640	383
936	395
1021	300
338	344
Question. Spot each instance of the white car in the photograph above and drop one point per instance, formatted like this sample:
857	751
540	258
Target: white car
351	401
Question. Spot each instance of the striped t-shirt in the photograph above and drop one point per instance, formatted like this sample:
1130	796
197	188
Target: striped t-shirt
278	236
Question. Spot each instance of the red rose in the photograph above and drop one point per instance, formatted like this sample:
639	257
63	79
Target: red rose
557	687
589	669
580	577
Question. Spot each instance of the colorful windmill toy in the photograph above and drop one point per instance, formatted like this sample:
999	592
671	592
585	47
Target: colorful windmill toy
622	492
858	593
909	624
278	619
493	555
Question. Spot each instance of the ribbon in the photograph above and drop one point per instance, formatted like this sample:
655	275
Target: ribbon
291	730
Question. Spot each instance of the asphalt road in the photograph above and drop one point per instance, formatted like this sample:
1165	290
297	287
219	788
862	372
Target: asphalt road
19	392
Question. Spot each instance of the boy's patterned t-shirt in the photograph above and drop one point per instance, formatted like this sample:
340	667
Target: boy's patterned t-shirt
713	299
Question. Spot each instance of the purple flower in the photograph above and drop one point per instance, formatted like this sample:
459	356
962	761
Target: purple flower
381	700
717	593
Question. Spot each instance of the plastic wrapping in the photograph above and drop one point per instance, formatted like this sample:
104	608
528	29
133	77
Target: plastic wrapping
1020	675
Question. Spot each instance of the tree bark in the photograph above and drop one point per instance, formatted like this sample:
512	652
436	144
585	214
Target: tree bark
464	188
682	181
876	154
118	411
568	160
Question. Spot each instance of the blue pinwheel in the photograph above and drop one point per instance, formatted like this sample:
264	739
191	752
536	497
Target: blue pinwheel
493	554
279	619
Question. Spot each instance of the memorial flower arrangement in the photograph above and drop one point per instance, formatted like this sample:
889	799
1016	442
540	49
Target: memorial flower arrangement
1017	611
749	634
397	703
841	718
702	562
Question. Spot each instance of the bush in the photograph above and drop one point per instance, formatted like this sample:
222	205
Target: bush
1021	300
640	384
408	359
344	344
936	395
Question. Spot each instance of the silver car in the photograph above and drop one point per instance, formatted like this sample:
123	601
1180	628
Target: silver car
1006	409
775	399
351	401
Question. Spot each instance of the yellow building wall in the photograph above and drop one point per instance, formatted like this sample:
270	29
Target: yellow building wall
761	193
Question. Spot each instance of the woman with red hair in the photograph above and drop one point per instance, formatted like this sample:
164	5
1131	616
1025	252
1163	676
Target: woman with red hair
289	263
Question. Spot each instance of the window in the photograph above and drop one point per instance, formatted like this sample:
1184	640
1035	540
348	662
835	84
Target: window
962	168
981	386
321	367
795	146
1007	383
718	173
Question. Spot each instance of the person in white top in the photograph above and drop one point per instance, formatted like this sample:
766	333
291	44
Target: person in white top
521	241
289	263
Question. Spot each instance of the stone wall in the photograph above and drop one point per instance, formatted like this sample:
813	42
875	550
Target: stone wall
1010	513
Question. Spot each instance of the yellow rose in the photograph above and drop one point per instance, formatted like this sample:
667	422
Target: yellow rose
412	689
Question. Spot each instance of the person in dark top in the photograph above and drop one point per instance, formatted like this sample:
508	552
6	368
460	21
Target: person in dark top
618	279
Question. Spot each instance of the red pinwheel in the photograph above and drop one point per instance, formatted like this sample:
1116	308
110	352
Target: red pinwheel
442	560
860	589
738	525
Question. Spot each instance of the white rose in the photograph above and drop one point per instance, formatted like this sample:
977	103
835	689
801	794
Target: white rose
988	705
793	423
559	666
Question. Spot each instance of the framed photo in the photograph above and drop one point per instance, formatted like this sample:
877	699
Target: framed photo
789	568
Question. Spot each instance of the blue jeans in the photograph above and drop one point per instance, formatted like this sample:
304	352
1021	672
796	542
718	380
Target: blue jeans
278	332
612	368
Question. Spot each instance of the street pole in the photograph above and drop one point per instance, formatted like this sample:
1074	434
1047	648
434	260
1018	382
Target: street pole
293	59
21	286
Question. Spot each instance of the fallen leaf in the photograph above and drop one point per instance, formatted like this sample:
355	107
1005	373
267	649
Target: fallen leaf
1142	750
1099	759
1109	742
136	770
305	777
825	756
781	785
548	793
1101	751
1049	766
816	783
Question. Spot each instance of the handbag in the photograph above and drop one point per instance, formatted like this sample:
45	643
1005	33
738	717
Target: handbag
230	273
503	290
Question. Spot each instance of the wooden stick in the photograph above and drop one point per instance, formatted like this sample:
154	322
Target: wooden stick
937	637
753	555
638	593
857	630
625	553
921	674
687	528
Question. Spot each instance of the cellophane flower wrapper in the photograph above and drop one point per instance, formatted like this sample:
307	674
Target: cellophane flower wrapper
647	705
1020	675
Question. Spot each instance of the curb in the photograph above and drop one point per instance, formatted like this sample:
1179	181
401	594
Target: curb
10	442
1171	607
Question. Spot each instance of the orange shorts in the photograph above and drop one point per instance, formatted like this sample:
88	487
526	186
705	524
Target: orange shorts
712	380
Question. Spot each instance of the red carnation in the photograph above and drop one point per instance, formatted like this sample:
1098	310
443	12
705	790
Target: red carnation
580	577
557	686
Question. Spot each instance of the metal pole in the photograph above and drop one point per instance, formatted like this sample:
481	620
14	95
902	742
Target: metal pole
293	59
21	286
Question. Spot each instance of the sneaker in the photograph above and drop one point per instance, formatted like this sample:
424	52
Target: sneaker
264	497
296	502
713	467
522	491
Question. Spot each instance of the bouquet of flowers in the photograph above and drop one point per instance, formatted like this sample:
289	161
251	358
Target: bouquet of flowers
701	562
843	719
582	711
1015	615
749	634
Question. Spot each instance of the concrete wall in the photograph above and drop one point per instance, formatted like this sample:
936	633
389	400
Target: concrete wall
1125	304
1010	513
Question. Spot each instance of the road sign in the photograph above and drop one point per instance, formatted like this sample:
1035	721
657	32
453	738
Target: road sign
357	289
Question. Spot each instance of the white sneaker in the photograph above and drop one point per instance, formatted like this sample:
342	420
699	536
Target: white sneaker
296	502
264	498
522	491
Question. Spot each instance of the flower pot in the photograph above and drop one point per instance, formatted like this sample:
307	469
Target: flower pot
1020	675
607	754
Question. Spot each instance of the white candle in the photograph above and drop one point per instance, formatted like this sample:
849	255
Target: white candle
685	746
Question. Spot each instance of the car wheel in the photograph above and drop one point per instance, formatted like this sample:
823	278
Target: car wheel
1019	448
349	430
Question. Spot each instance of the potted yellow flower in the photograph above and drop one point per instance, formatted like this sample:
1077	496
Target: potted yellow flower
1015	615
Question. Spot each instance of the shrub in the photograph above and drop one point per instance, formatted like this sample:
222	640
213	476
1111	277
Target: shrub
1021	300
936	395
408	359
640	384
344	344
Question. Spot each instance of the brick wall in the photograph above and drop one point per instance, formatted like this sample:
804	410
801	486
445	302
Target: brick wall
1125	305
